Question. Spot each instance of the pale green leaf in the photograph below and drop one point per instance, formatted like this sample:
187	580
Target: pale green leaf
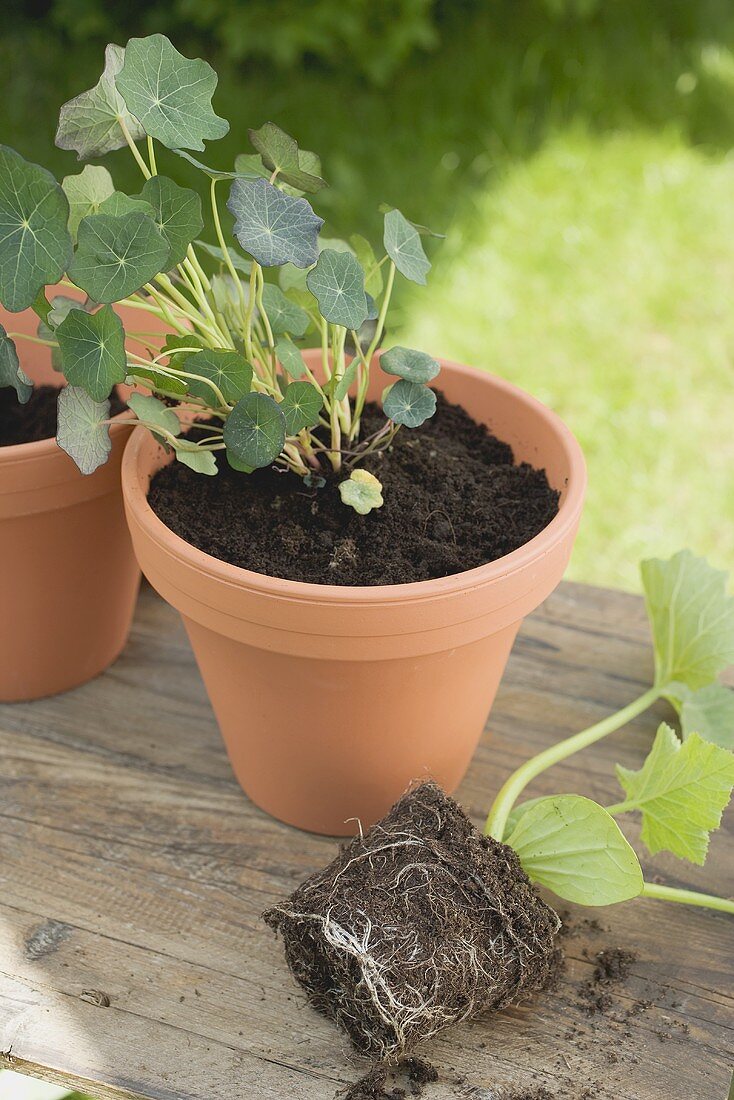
154	414
90	123
301	406
176	212
575	848
11	373
409	404
337	283
283	314
203	462
228	370
290	357
86	192
692	619
280	153
116	256
342	386
272	227
82	431
681	790
239	263
171	95
416	366
366	256
118	203
424	230
403	246
93	350
255	431
35	246
709	712
361	491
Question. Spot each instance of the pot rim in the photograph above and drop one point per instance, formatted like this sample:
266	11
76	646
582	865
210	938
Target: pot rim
526	555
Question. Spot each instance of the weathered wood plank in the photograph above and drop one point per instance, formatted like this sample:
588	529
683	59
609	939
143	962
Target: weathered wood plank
132	866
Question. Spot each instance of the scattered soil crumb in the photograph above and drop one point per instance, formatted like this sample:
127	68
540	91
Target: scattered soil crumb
612	968
381	1083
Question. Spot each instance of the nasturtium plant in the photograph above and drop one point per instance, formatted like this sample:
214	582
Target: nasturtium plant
234	366
575	847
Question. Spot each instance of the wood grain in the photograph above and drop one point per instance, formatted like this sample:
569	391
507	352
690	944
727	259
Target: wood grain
133	872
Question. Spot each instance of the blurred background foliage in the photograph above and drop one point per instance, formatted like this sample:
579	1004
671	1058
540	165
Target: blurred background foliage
577	154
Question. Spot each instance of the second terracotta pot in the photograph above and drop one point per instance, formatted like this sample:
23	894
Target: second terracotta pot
68	575
331	699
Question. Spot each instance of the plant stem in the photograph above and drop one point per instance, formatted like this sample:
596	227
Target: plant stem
230	266
133	147
151	157
518	781
686	897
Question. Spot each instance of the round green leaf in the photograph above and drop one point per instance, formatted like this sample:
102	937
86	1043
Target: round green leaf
116	256
228	370
10	369
575	848
301	405
203	462
90	123
154	414
290	357
362	491
82	431
280	152
170	94
283	314
416	366
274	228
176	212
403	246
35	246
255	431
118	203
86	192
93	350
155	379
337	284
409	404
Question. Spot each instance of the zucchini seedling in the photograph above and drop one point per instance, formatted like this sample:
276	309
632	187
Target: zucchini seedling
423	922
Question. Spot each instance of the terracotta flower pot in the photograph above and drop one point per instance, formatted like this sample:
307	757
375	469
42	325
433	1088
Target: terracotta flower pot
331	700
68	575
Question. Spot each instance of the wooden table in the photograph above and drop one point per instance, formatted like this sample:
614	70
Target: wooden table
133	873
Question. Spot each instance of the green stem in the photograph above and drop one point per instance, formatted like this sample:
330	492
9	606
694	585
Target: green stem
151	157
133	147
518	781
228	261
686	897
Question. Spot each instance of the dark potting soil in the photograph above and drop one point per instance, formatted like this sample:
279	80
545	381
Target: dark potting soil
416	926
454	499
36	419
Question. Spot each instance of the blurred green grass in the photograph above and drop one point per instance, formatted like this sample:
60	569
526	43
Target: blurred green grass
598	275
580	165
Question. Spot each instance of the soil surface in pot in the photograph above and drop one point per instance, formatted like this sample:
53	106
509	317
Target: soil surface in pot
36	419
454	499
416	926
